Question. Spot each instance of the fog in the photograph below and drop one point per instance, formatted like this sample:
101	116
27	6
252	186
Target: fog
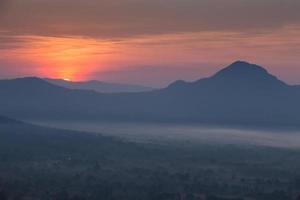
187	134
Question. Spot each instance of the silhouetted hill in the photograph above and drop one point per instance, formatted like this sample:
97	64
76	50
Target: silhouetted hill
242	94
31	96
247	73
25	142
239	75
27	86
99	86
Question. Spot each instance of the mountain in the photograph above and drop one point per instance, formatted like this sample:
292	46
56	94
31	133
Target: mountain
240	94
23	142
239	75
99	86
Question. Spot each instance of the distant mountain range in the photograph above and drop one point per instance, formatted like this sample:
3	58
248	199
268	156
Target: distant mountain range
99	86
240	94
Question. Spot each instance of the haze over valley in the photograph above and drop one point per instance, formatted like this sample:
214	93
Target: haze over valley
149	100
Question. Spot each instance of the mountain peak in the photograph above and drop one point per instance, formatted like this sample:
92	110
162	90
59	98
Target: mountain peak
242	69
244	73
238	75
32	83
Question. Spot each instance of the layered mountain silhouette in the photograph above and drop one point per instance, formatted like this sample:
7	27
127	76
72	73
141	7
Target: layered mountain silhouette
99	86
241	94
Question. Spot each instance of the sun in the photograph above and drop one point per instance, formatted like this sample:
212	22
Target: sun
67	58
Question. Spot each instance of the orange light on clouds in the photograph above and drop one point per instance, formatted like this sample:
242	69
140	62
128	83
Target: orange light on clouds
70	58
64	57
154	59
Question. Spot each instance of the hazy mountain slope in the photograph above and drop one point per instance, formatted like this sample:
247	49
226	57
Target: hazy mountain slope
241	93
35	98
99	86
21	141
42	163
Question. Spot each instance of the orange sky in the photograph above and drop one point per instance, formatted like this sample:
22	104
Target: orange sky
123	44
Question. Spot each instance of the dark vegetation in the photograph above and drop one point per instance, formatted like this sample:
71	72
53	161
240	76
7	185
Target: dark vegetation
42	163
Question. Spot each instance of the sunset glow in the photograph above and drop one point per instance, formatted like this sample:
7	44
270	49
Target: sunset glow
150	99
165	57
123	45
66	58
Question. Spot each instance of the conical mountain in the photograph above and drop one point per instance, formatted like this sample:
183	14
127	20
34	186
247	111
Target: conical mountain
246	74
239	75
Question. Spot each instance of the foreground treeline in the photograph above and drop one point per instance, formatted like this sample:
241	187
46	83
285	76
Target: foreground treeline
39	163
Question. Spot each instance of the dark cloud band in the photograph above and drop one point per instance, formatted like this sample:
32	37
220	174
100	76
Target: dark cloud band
127	18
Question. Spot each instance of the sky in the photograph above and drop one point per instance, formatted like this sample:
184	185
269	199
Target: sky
148	42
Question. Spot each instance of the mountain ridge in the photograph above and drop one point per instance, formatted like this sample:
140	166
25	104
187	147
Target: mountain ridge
259	99
99	86
237	72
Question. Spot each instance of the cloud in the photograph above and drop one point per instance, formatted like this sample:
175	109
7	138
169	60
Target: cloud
110	35
3	4
129	18
11	42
